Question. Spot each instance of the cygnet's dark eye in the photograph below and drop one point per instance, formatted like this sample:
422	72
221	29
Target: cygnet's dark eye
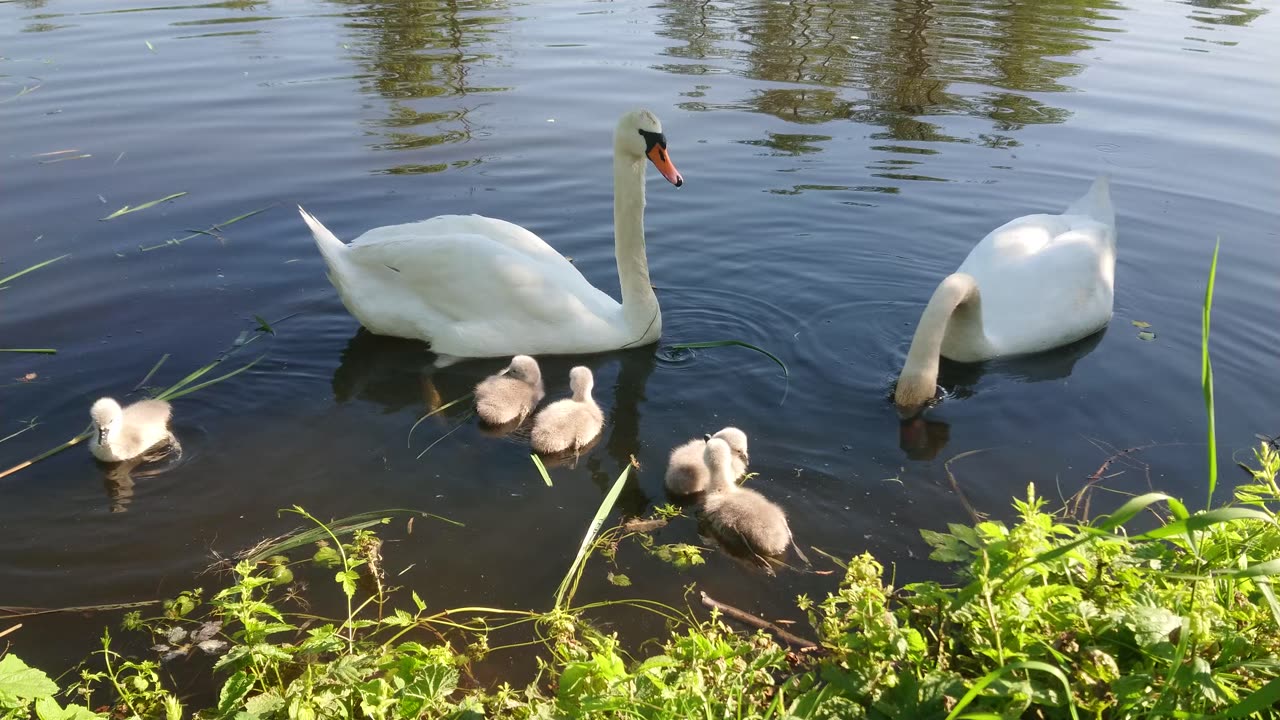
651	139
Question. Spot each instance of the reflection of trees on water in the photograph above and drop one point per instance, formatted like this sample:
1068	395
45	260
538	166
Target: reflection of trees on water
421	55
912	61
1224	12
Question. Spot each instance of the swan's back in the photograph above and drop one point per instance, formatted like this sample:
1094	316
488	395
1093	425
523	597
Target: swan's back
748	515
1047	280
687	473
501	399
566	425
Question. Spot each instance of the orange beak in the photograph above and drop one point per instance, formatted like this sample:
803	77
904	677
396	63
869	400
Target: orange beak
658	156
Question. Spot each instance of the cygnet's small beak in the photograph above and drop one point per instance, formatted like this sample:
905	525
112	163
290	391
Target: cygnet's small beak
706	437
102	435
658	156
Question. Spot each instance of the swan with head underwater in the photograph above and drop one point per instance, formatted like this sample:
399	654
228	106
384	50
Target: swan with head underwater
1035	283
474	286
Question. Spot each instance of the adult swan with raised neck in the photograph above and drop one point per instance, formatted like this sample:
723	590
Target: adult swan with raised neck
474	286
1034	283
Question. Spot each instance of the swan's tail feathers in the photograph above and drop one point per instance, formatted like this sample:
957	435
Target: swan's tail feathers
330	246
1096	203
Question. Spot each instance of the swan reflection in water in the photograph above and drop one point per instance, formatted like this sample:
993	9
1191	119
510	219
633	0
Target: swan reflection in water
398	375
119	478
922	438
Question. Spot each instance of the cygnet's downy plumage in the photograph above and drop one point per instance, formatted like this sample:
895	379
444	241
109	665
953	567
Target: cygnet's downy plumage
736	513
120	434
511	395
687	471
569	424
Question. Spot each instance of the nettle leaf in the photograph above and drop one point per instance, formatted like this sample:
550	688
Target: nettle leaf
1151	624
233	693
22	681
947	547
264	704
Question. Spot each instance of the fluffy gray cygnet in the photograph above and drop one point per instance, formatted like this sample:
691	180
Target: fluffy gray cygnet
687	471
735	511
120	434
512	394
569	424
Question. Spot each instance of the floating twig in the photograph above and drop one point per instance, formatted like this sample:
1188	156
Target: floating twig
955	484
758	622
14	611
41	351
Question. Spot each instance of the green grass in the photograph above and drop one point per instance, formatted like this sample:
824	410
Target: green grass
542	469
214	230
1206	373
37	266
132	209
786	374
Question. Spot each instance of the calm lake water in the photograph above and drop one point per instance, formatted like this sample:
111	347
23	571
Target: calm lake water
840	158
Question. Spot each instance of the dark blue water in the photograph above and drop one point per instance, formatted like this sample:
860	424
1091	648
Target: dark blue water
840	158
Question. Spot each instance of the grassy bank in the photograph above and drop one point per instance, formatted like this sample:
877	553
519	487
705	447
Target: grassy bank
1046	618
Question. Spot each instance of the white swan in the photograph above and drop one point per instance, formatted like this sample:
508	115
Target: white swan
1034	283
473	286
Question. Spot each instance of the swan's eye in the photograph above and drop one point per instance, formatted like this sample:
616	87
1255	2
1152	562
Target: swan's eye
651	139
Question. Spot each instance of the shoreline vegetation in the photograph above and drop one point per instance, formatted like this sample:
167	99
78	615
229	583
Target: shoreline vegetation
1047	617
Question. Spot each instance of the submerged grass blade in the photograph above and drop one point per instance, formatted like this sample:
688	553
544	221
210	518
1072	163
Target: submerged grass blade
37	266
42	351
537	462
564	593
30	424
1206	373
130	209
786	374
728	343
408	442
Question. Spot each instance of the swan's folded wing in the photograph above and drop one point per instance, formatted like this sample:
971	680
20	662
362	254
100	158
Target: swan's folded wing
502	232
473	277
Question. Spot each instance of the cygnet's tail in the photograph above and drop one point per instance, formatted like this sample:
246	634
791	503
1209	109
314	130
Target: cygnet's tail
1096	203
330	246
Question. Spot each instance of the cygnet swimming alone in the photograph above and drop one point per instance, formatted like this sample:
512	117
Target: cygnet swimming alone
566	425
120	434
687	471
512	394
736	512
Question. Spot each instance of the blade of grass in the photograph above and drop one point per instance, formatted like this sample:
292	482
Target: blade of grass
30	424
575	570
1206	373
198	233
786	374
167	395
537	462
42	351
147	377
1000	672
408	442
46	454
343	526
37	266
440	439
130	209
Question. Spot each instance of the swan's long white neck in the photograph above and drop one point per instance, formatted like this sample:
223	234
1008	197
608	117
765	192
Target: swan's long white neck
954	317
639	304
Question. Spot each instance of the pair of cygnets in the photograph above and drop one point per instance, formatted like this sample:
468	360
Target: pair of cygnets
124	433
712	466
563	426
